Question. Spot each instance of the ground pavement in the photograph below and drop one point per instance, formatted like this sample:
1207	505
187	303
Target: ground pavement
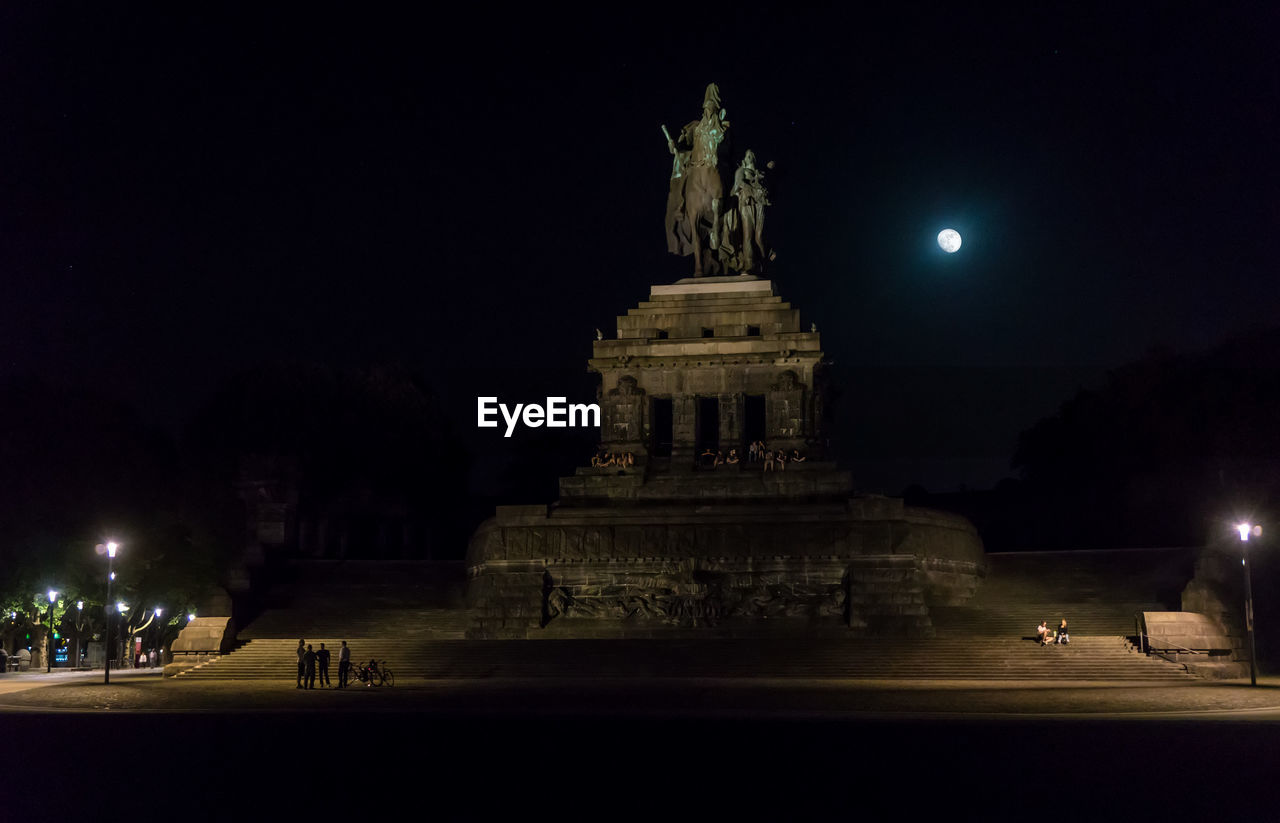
642	748
145	691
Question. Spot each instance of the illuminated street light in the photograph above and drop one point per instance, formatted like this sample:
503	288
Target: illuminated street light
48	634
112	548
1245	530
155	652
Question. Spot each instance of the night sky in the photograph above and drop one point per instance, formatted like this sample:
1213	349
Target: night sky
190	193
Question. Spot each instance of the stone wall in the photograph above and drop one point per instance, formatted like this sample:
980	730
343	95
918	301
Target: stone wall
713	566
1217	592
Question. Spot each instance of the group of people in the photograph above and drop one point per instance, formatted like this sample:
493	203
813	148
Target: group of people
772	460
709	459
1049	637
607	460
757	452
310	662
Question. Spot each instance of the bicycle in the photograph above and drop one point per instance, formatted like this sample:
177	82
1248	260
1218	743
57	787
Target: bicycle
382	676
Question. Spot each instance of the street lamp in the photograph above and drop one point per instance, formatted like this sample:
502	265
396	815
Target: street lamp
79	631
112	547
48	634
125	654
155	650
1245	530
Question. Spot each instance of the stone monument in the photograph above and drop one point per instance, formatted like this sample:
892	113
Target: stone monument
696	529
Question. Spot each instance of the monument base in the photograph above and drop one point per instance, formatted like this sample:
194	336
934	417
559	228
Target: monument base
867	567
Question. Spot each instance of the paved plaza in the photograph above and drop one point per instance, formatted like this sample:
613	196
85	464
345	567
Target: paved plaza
145	691
469	749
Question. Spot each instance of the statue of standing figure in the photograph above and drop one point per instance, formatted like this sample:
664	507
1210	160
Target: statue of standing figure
748	187
696	190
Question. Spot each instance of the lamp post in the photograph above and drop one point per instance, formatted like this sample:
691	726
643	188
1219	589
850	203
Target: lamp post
111	574
155	651
1245	530
125	654
48	634
79	631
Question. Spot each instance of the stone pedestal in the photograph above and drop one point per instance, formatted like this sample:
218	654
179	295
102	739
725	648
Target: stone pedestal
675	544
864	570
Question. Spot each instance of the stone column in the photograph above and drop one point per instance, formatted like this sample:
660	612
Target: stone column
731	412
684	422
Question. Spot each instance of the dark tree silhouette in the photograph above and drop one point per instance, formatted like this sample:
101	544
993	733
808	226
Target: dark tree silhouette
374	434
76	469
1169	451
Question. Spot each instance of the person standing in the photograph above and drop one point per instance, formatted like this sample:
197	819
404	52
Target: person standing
302	650
344	665
309	669
322	660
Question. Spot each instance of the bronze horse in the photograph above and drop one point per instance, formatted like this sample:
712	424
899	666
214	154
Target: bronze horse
703	194
693	205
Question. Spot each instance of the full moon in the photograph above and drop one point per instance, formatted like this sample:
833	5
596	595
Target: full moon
949	240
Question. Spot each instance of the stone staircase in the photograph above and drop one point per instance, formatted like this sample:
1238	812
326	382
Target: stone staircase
346	623
344	600
1086	659
389	615
1097	592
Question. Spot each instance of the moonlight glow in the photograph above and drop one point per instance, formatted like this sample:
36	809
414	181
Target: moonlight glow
949	240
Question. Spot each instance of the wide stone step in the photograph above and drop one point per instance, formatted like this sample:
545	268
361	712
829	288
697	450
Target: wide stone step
1090	659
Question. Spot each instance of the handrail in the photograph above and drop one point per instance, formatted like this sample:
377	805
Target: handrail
1168	659
1166	645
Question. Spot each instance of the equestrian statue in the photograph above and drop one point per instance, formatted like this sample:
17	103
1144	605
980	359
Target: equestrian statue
698	223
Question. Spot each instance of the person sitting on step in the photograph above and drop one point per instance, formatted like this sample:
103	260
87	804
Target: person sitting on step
732	459
768	460
1043	633
1062	639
